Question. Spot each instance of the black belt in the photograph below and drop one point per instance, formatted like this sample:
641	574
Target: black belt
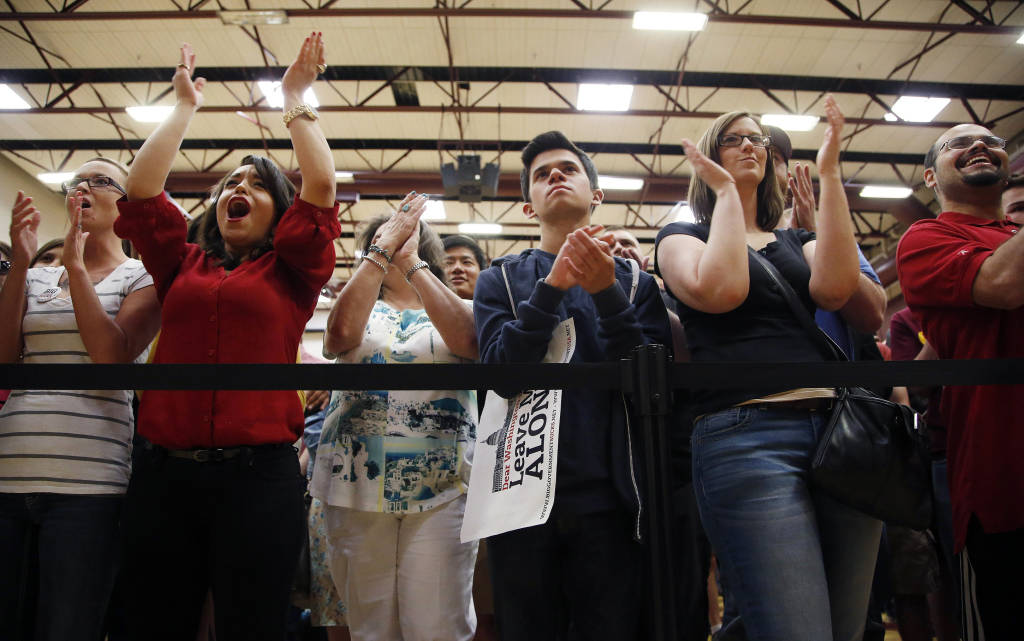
205	456
219	453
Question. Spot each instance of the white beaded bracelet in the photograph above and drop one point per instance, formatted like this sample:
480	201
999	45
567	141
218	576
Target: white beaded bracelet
383	267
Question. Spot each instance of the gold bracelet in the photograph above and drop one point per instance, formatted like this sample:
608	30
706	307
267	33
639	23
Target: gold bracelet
299	110
383	267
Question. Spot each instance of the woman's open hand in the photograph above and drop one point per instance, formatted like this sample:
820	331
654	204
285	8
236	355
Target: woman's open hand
187	90
706	169
24	230
304	69
74	241
828	155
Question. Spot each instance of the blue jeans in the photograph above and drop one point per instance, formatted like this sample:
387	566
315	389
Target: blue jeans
799	563
58	554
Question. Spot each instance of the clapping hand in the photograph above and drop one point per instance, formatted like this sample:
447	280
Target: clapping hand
585	259
24	230
706	169
74	240
828	155
403	224
804	204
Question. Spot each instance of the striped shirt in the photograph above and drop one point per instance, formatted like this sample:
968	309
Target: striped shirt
67	441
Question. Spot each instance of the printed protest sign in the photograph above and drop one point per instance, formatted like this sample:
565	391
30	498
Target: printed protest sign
515	461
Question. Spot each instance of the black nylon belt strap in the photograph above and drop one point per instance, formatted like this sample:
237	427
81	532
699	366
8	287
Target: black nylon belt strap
609	375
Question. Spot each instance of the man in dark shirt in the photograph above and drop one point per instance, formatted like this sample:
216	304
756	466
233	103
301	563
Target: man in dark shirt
580	570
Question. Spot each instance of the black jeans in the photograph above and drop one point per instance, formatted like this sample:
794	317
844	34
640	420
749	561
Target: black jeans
234	526
58	557
574	577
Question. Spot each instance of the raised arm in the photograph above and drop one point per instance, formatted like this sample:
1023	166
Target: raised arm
346	324
24	242
449	314
833	256
711	277
108	340
311	150
149	171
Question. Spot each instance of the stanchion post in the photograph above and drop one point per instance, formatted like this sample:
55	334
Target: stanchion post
647	382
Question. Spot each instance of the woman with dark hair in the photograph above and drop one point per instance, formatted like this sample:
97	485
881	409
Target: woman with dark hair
392	466
215	501
798	563
51	254
67	453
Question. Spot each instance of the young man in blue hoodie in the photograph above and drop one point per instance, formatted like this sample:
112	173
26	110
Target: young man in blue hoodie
579	573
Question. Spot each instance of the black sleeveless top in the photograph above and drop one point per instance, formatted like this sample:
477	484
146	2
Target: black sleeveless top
762	328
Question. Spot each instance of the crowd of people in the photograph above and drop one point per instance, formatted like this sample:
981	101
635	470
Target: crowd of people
189	506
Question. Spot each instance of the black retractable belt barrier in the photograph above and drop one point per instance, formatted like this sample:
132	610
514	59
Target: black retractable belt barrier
647	382
608	376
647	376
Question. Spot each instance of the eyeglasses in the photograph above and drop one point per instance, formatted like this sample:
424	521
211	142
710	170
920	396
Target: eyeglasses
95	182
735	140
965	142
5	267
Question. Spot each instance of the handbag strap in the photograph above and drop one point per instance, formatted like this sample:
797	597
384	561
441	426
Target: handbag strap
822	341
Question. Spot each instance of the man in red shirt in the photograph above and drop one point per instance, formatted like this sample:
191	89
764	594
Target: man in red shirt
963	277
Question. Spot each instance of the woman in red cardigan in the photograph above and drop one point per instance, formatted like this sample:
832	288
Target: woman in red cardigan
215	500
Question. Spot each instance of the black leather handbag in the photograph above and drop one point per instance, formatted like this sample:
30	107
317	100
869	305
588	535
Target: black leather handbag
872	454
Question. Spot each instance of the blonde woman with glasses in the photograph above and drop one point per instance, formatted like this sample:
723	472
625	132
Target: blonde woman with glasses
799	564
67	453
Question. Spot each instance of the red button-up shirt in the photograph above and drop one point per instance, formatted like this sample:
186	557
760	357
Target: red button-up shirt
938	261
255	313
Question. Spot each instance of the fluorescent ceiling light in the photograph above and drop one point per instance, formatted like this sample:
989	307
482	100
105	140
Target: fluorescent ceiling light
435	211
619	184
669	20
599	97
11	100
271	89
344	176
681	213
790	122
150	113
1020	40
919	108
253	17
55	177
881	191
480	229
891	117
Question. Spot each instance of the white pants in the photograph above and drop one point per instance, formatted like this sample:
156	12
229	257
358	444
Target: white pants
409	578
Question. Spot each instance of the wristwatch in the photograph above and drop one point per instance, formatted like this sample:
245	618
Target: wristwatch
299	110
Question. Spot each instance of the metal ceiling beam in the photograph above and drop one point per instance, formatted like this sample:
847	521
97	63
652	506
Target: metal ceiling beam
541	14
775	82
363	144
662	190
425	109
